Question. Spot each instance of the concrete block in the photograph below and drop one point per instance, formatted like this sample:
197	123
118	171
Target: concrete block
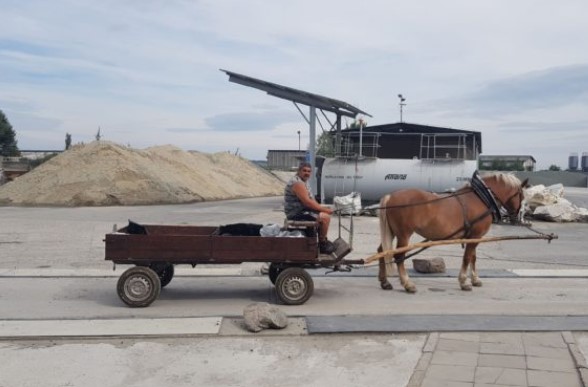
502	348
547	364
455	358
424	361
458	346
444	383
502	337
578	356
451	373
549	352
549	379
463	336
416	379
502	361
502	376
544	339
431	343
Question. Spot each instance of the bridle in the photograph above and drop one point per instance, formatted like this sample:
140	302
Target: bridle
515	216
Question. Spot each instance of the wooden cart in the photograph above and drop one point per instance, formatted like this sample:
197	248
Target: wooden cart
154	250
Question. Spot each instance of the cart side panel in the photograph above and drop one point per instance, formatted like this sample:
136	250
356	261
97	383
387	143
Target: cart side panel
237	249
179	230
127	248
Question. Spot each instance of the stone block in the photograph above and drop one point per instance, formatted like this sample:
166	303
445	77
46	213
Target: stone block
429	265
261	315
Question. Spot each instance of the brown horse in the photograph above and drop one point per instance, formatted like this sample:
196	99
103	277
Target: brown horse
466	213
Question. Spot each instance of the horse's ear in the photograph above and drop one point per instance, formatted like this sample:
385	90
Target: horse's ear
525	183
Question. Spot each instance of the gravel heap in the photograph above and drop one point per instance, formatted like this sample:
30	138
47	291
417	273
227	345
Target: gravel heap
104	173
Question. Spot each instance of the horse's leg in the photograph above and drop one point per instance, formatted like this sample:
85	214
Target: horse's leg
382	274
475	279
404	279
469	252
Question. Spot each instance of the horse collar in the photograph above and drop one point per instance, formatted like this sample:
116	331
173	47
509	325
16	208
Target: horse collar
485	194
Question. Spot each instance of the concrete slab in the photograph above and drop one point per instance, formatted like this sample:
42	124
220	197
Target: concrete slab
444	323
543	273
236	327
331	360
159	327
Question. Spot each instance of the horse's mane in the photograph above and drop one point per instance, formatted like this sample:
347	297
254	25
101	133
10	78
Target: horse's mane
508	179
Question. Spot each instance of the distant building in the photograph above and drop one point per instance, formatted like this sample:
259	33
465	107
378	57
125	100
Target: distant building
506	163
12	167
285	159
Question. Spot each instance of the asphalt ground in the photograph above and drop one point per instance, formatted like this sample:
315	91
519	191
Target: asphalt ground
61	322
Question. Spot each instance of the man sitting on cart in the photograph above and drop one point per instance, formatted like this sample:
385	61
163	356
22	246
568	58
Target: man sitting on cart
300	204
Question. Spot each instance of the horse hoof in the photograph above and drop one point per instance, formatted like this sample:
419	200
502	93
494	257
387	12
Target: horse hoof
411	289
477	283
386	285
466	287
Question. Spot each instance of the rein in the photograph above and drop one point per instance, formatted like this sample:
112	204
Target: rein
466	190
485	194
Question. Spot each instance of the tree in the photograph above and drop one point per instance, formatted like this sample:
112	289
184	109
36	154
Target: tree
554	167
8	146
67	141
357	123
325	145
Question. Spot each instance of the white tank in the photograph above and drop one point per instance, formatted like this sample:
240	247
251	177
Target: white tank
373	177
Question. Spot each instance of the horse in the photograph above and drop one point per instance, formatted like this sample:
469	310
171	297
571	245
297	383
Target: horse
466	213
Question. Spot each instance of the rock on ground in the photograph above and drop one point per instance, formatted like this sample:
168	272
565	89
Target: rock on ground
261	315
429	265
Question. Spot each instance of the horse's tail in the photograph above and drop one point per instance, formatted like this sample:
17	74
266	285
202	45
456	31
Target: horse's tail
386	234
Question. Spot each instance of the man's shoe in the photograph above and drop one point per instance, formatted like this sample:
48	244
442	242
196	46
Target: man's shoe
326	247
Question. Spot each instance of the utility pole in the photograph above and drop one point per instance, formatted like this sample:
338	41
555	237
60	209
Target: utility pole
298	140
401	104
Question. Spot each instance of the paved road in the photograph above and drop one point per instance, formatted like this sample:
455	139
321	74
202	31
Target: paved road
54	283
72	238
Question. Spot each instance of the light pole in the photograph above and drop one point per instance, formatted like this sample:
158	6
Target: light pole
401	104
298	140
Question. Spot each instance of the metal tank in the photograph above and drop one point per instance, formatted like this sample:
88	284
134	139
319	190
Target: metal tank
573	161
584	161
374	178
377	160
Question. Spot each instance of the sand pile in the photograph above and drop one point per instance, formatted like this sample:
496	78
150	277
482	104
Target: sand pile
105	173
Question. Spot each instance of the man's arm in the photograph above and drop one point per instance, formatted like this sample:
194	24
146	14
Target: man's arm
300	190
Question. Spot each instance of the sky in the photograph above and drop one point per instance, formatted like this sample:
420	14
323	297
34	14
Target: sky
146	72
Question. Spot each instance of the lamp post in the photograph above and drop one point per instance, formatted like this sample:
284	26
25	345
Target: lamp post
298	140
401	104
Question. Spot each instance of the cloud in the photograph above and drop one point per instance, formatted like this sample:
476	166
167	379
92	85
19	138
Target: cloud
147	72
251	121
546	89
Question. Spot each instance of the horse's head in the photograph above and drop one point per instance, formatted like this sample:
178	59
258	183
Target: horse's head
508	192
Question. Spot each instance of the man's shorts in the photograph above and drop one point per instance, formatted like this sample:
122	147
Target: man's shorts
306	215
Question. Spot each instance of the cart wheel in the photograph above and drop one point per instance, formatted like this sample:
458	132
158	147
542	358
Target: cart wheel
273	272
138	286
165	272
294	286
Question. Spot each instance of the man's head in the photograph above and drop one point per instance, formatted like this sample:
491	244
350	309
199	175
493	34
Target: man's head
304	170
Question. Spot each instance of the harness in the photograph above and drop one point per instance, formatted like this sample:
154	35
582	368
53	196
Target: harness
482	191
486	196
